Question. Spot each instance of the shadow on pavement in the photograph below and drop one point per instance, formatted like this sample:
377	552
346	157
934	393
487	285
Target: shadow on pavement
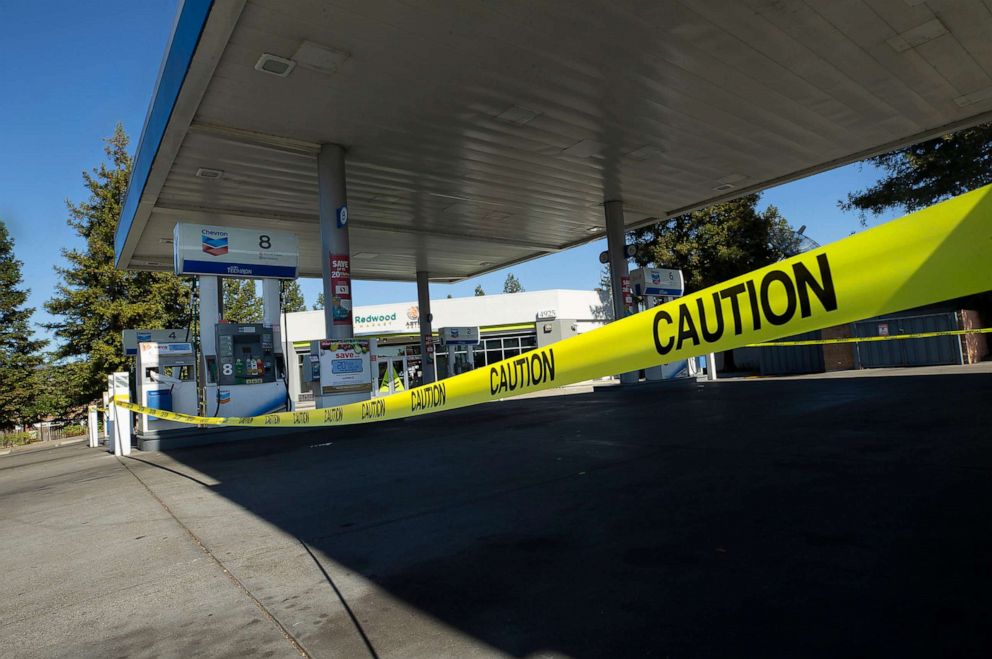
766	518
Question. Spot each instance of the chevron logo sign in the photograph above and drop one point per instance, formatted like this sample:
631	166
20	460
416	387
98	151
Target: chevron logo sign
214	242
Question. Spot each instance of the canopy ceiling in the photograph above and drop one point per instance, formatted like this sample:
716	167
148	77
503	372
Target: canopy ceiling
481	134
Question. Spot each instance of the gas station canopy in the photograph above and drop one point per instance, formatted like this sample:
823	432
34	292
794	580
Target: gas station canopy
481	134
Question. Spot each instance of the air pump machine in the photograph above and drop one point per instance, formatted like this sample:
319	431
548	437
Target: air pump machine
651	287
165	377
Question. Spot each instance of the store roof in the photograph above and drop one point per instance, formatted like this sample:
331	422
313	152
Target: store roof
483	134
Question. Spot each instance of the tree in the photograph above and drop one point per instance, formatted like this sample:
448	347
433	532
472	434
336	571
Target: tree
478	290
923	174
512	284
717	243
292	296
604	310
95	301
20	354
54	378
241	303
319	304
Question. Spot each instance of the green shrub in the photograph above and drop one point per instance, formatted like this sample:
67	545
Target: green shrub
16	439
74	430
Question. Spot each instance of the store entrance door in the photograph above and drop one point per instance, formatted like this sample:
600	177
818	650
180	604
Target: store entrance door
392	376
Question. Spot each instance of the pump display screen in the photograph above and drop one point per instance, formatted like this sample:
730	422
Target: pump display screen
245	354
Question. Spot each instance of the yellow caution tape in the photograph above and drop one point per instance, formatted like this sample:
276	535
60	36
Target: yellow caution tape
870	339
935	254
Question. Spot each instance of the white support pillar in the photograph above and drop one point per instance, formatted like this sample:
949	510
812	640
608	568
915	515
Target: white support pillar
711	367
110	423
122	425
105	414
92	426
211	301
270	302
426	337
616	247
211	309
334	246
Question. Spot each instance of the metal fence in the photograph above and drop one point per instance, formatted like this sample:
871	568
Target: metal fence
792	360
932	351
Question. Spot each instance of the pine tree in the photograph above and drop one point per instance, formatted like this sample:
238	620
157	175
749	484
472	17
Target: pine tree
478	290
512	284
292	296
241	302
319	304
20	355
95	301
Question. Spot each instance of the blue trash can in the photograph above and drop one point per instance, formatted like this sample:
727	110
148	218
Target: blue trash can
160	399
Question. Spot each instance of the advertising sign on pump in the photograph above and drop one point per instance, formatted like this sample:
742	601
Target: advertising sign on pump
131	338
345	366
230	252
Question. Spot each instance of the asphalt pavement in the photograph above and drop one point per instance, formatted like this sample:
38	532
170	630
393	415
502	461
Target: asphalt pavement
814	517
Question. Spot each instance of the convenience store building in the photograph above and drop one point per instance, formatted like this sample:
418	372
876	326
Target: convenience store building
508	324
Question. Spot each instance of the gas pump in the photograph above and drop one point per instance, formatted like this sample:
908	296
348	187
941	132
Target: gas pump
451	338
166	380
244	377
243	370
651	287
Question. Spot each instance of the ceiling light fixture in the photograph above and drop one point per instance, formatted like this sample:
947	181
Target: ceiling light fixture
277	66
594	229
485	264
726	187
206	172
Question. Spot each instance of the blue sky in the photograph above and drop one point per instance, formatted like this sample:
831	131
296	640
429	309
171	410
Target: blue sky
71	70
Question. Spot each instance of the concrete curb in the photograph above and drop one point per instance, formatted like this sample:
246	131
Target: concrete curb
41	446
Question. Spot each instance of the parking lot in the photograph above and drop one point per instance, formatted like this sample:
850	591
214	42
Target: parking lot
813	516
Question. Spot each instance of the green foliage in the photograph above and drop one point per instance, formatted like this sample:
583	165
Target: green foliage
73	430
55	378
292	296
319	304
241	303
20	354
926	173
604	310
95	301
16	438
717	243
478	290
512	284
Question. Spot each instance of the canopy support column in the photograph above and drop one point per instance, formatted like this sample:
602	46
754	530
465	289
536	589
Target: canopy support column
426	338
335	250
616	247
